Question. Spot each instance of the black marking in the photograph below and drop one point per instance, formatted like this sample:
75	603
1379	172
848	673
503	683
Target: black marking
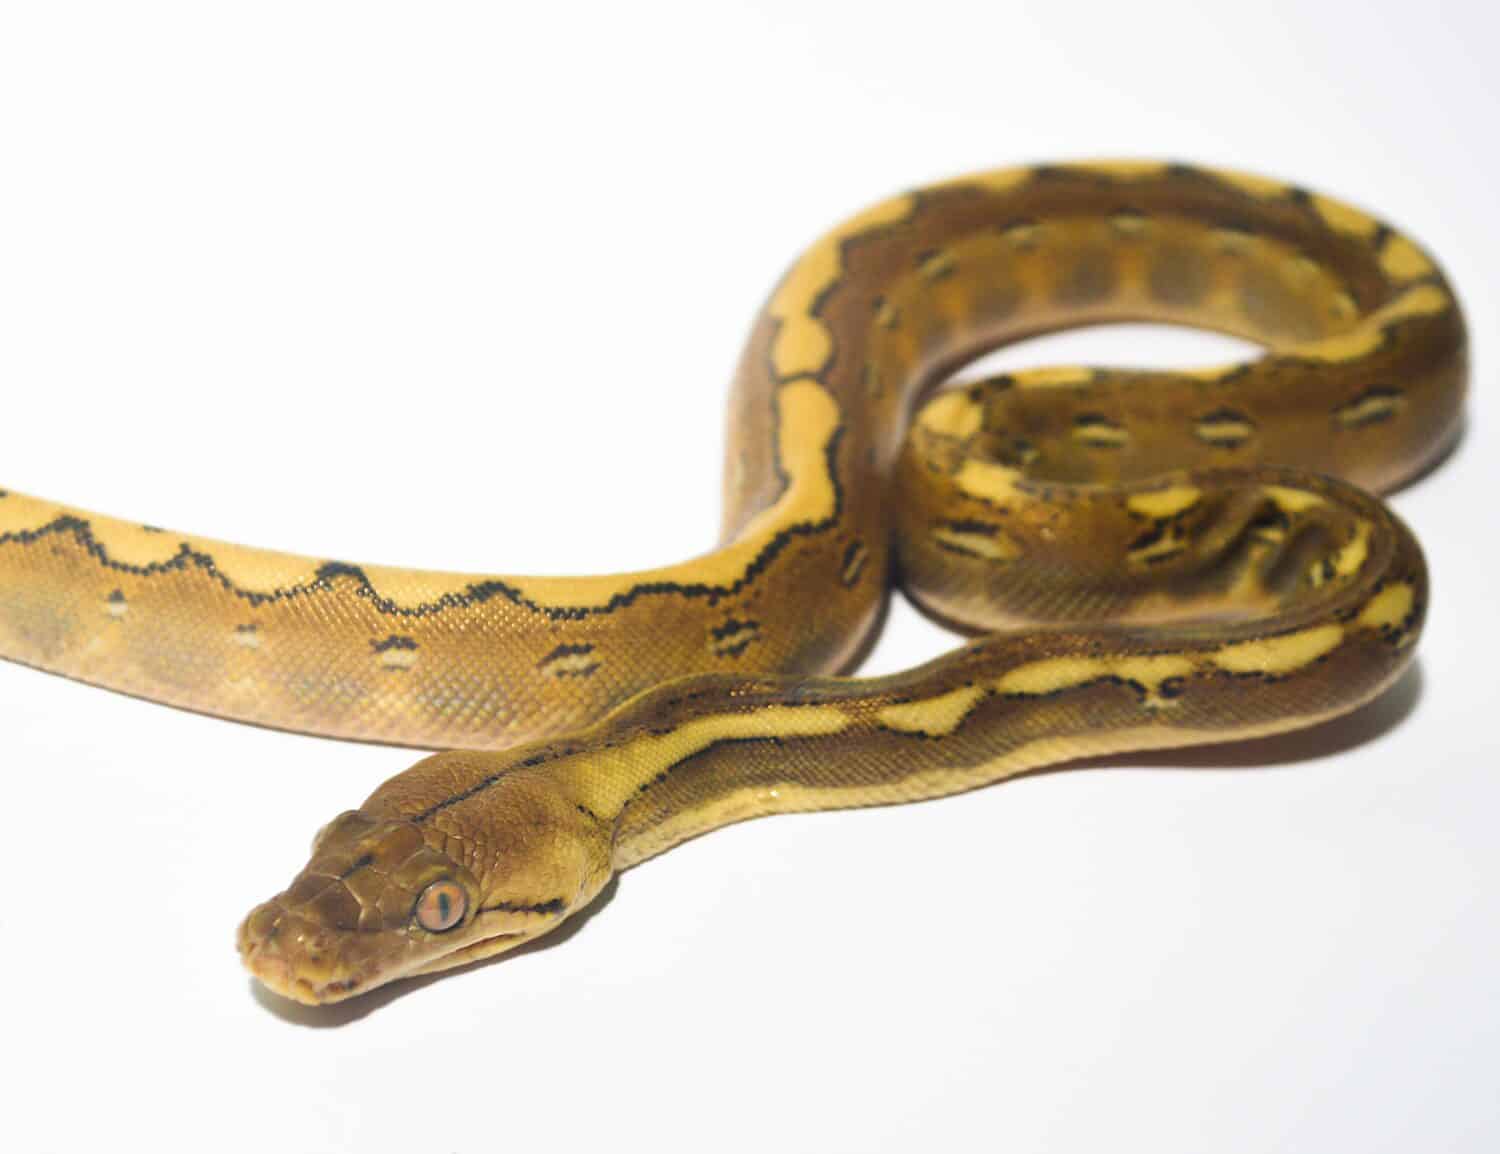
1372	407
394	642
950	546
936	264
1224	429
1099	432
1022	231
331	573
358	864
1169	554
1017	452
856	556
1149	537
981	528
567	650
734	636
569	653
550	906
1159	543
1139	688
731	627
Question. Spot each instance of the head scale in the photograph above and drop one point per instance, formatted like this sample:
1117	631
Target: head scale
386	896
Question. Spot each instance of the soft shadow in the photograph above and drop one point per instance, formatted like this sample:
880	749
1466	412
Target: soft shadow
342	1013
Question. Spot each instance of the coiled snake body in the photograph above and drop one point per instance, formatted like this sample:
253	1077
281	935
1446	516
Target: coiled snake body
1195	555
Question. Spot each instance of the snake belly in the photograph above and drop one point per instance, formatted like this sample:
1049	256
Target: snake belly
1155	559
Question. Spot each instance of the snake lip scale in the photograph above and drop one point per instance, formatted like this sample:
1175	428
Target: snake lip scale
1145	558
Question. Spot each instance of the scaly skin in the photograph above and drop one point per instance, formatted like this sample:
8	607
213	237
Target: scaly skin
1179	587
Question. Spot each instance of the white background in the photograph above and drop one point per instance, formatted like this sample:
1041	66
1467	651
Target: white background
462	286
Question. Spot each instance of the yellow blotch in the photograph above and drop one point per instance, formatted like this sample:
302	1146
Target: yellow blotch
1369	409
937	266
1168	545
1358	342
1123	169
126	542
19	513
1292	501
1054	674
1064	376
999	180
1051	675
1302	269
1231	241
952	414
1151	671
572	664
995	547
1348	560
987	480
1164	503
616	773
808	418
1248	182
1345	218
1224	431
803	343
1424	300
936	716
1363	339
1108	436
398	658
1276	655
1023	236
1388	608
1403	260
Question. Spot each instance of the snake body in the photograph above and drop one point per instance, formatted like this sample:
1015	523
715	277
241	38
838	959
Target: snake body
1194	557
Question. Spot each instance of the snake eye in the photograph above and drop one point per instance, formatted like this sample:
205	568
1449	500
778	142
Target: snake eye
442	906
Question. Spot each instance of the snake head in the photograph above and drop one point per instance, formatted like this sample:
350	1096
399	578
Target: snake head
386	896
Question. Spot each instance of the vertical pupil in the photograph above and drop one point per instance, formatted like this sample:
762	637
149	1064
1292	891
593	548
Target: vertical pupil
445	903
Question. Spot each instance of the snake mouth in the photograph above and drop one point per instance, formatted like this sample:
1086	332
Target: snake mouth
295	958
279	976
306	962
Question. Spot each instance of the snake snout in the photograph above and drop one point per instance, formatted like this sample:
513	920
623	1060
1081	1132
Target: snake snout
293	955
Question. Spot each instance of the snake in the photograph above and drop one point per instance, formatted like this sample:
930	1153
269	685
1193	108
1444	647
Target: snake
1141	558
